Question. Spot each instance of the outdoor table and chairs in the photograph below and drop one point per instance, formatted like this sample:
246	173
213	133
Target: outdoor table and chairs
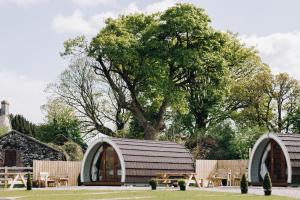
220	175
172	178
46	180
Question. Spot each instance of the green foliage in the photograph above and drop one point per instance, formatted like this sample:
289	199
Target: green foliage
21	124
294	120
182	184
267	184
244	185
245	138
73	150
29	182
153	184
3	130
173	59
60	120
215	143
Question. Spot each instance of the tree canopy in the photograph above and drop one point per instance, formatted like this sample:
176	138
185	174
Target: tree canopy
171	75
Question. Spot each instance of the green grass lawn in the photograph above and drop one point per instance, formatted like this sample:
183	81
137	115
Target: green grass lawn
129	195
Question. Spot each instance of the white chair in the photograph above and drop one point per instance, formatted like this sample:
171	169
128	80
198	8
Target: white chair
43	177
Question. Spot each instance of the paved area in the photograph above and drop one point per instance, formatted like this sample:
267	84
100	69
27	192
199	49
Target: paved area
280	191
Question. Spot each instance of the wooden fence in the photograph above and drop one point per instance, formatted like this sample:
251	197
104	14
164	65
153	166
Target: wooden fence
204	168
58	168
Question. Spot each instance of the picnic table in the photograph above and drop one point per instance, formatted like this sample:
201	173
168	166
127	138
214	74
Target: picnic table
169	178
15	176
11	175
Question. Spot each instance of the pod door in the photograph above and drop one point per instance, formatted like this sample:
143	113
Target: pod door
274	163
106	167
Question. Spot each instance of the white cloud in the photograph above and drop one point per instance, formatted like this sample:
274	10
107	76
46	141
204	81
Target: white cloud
23	2
91	2
77	23
281	51
24	94
80	24
159	6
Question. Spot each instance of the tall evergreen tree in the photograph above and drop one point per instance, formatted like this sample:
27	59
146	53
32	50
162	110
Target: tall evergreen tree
21	124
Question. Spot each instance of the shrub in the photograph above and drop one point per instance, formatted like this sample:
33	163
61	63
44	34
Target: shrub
153	184
267	184
29	182
182	185
79	180
74	151
244	185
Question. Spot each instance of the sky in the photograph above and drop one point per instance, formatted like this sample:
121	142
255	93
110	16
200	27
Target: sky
32	33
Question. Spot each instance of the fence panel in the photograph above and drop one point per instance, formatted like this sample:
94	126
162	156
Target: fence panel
58	169
205	167
236	166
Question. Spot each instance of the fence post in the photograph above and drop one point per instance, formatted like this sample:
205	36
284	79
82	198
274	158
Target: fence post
5	177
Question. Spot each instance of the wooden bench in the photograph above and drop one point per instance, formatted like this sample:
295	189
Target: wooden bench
218	176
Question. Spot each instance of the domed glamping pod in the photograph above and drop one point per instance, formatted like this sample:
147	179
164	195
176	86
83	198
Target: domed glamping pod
118	161
277	154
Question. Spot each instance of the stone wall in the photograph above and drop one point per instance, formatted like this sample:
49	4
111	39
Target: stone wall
28	149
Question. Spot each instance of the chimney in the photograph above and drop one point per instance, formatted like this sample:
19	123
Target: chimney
4	115
4	108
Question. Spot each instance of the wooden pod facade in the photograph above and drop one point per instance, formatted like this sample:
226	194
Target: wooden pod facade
277	154
118	161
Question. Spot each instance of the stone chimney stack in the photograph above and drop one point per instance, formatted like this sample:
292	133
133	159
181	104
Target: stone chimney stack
4	108
4	115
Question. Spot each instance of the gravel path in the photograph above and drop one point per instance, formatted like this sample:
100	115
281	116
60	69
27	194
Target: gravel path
279	191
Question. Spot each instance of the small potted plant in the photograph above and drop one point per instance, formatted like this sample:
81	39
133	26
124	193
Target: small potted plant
182	185
153	184
29	182
244	185
267	184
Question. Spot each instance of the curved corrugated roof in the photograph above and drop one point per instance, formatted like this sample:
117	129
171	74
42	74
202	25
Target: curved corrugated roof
290	145
141	160
146	158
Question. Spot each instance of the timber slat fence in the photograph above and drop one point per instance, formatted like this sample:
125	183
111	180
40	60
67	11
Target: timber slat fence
204	168
71	169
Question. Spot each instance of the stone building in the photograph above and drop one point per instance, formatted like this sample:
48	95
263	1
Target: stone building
17	149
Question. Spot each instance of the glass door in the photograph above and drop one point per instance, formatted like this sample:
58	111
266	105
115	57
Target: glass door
110	166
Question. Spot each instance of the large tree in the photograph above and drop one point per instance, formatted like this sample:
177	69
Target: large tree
150	61
91	99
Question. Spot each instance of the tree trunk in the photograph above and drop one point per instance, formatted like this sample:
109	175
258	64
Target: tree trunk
201	119
279	106
150	133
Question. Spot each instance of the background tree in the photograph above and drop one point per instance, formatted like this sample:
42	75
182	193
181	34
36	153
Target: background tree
294	121
91	99
21	124
3	130
60	120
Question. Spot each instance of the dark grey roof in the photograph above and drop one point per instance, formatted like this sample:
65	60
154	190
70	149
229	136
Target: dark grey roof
292	144
28	137
145	158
